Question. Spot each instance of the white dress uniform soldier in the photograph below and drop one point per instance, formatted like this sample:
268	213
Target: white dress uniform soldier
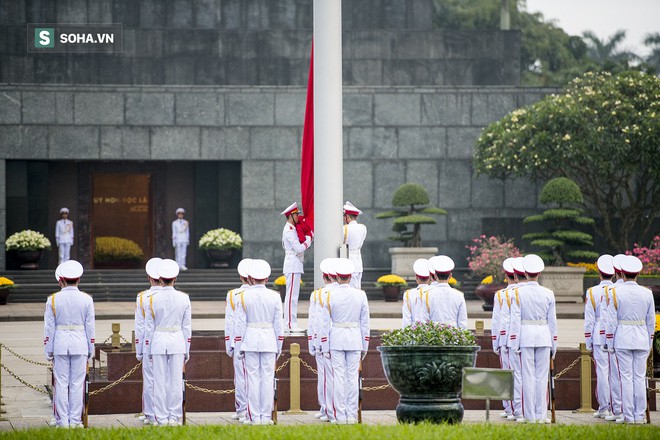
55	418
631	324
325	362
443	303
412	296
180	238
345	340
354	235
258	338
294	254
64	236
595	308
168	334
233	297
534	320
499	327
69	342
433	279
514	358
141	309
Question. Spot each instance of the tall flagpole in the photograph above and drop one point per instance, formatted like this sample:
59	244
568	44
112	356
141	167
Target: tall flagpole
328	142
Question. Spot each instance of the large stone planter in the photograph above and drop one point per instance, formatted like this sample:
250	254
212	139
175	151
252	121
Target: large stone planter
565	281
428	380
29	259
404	257
219	258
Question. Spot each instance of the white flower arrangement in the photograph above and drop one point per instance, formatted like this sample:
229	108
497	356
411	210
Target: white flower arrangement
220	239
27	240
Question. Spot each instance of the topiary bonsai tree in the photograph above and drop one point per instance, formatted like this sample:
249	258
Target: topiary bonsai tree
412	201
562	243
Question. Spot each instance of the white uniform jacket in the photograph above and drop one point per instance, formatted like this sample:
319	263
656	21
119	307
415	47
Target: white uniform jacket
141	312
180	232
443	304
345	320
258	325
64	232
354	235
595	309
69	323
533	317
500	322
170	329
294	251
410	303
631	320
233	296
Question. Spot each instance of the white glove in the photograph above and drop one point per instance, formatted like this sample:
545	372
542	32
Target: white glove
326	355
138	357
364	354
186	358
240	355
590	347
496	350
554	352
49	357
230	352
312	351
504	349
611	350
517	350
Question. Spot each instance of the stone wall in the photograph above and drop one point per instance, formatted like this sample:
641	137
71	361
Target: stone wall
392	135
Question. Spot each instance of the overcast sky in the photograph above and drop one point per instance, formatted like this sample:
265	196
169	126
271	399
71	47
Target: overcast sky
604	18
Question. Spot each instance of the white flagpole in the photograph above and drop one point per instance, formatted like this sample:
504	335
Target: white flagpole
328	142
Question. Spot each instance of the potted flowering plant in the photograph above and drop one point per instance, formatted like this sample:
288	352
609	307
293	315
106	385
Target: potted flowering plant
486	257
423	363
650	275
220	245
29	246
391	285
5	289
116	253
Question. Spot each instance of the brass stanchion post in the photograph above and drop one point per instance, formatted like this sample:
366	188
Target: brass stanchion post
585	380
115	339
2	411
294	380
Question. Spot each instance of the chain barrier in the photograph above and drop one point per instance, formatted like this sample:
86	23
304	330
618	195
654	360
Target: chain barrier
207	391
124	339
378	388
23	358
281	367
117	382
565	370
12	374
309	367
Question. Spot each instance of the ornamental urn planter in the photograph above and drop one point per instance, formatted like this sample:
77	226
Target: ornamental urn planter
404	257
487	293
29	259
219	258
428	380
391	293
565	281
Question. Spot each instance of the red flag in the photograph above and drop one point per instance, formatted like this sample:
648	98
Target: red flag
307	157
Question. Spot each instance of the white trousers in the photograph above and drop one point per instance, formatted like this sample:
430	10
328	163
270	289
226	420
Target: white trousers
515	363
240	395
534	374
615	384
320	383
602	378
345	367
356	280
632	364
148	387
69	393
180	250
64	251
260	368
504	364
291	300
325	364
168	387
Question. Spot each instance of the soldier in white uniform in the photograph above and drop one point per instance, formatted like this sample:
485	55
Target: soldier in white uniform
534	320
180	238
443	303
233	297
433	279
595	307
354	235
168	334
324	362
631	324
69	342
55	418
411	296
499	327
294	254
64	236
141	308
258	338
345	340
514	358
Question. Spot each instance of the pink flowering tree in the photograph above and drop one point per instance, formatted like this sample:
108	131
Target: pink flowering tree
487	255
650	256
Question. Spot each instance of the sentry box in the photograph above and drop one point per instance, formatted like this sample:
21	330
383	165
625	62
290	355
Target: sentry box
487	383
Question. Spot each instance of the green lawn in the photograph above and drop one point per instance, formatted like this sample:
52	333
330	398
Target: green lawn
398	432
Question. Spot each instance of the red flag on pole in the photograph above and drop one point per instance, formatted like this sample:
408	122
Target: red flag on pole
307	166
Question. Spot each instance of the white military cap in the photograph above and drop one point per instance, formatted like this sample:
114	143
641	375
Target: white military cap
323	267
152	267
442	264
517	265
291	209
421	268
178	210
533	264
507	265
616	262
167	269
349	208
57	272
259	269
344	267
605	265
63	210
429	265
243	267
71	270
330	266
631	265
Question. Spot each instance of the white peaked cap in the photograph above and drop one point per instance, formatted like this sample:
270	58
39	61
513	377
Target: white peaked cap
421	268
242	268
63	210
290	209
507	265
57	273
152	267
330	266
167	269
178	210
351	209
429	265
344	267
533	264
324	266
605	265
71	270
259	269
631	264
517	265
616	261
442	264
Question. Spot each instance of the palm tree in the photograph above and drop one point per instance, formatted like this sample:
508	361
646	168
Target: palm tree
653	42
606	50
